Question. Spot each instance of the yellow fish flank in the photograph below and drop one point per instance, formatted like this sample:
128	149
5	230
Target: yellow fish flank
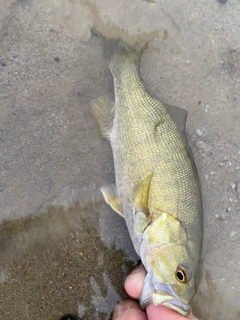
157	189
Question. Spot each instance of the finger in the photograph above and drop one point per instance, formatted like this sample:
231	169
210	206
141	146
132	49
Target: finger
128	310
135	281
162	313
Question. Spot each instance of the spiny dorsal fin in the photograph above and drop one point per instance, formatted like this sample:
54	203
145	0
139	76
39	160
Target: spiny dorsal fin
178	116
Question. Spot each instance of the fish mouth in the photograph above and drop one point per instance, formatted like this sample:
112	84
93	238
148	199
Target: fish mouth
165	295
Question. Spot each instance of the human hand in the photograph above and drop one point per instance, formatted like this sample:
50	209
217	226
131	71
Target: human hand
130	310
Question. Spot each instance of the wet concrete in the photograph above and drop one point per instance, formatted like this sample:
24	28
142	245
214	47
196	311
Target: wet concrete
57	264
51	153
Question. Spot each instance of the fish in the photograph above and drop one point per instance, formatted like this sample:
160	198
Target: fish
157	189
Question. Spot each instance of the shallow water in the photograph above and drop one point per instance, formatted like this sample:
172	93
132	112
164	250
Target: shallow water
52	154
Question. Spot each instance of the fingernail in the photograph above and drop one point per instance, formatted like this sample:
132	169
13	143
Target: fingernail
125	309
119	309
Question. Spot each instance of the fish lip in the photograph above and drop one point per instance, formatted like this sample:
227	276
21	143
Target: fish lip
145	303
171	299
178	306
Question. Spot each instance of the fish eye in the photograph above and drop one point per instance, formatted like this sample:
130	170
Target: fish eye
183	274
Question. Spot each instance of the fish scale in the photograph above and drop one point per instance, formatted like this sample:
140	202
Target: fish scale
157	188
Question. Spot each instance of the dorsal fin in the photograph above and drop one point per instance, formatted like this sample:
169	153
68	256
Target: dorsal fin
179	117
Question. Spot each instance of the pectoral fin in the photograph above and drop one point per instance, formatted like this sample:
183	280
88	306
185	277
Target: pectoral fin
142	195
111	197
103	112
143	217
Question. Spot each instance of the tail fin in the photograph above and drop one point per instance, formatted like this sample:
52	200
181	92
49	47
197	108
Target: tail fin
119	53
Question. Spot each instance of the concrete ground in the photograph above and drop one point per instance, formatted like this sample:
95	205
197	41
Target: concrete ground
71	254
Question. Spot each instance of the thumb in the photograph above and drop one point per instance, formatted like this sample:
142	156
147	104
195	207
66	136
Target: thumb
128	310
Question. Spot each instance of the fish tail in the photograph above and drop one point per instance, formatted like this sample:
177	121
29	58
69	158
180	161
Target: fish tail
119	53
125	56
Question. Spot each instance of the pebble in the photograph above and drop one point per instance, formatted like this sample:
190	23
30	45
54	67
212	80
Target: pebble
200	132
3	277
234	234
222	216
238	187
81	310
203	146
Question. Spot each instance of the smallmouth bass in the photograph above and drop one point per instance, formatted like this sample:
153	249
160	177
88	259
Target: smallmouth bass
157	189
